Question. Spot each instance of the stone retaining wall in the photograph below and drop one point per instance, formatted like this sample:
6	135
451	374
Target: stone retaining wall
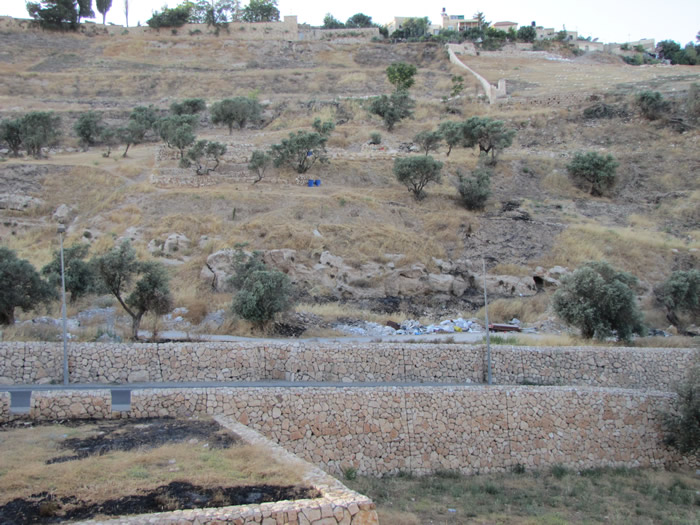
642	368
385	430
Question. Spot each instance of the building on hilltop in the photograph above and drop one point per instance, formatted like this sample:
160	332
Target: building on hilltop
506	26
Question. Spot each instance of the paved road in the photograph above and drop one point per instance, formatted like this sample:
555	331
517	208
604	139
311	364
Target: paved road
459	337
227	384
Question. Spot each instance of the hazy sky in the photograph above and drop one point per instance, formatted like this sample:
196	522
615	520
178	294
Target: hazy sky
609	21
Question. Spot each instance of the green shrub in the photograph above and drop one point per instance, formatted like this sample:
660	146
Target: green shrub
652	104
170	17
189	106
682	426
593	172
599	299
475	190
603	110
375	138
350	473
262	292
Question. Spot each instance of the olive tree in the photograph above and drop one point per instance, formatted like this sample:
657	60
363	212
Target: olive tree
451	133
11	134
141	120
39	129
21	285
679	294
428	140
80	276
416	172
593	172
119	268
89	128
205	155
238	111
177	131
392	108
259	162
598	299
302	149
490	135
400	75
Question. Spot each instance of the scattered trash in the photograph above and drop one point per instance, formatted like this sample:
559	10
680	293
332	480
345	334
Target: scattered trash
504	328
408	327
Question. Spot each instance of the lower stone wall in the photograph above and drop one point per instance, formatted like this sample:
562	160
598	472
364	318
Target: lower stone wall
643	368
386	430
337	505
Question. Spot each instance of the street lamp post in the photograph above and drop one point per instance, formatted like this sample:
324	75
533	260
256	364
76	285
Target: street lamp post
61	230
488	333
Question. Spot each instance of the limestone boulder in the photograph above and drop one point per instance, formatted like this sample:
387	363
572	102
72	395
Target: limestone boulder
176	242
510	286
62	214
217	270
18	202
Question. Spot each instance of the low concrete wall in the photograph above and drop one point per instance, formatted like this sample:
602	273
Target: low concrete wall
385	430
492	92
643	368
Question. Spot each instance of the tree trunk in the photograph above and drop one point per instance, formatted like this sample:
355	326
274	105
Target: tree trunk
673	319
135	323
7	317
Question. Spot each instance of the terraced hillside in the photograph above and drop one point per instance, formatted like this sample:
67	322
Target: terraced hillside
649	225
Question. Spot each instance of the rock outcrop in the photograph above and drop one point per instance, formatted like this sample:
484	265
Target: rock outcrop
331	276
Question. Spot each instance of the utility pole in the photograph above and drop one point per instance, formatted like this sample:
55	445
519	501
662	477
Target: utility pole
488	334
61	231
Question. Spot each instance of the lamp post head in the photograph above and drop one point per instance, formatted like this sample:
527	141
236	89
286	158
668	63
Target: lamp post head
61	229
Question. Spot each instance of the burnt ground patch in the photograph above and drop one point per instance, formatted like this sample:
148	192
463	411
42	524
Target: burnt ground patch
177	495
135	435
120	435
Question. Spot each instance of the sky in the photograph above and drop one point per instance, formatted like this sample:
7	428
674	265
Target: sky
606	20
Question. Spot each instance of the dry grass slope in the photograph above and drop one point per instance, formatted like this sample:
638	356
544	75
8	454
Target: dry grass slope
649	225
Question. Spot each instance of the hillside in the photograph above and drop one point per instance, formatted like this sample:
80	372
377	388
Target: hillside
426	254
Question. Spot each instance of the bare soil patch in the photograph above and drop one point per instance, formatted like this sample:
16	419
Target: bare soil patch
76	470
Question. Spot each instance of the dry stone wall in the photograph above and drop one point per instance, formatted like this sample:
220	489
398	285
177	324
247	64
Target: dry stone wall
640	368
384	430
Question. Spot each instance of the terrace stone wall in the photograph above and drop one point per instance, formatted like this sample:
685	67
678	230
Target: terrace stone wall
385	430
122	363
